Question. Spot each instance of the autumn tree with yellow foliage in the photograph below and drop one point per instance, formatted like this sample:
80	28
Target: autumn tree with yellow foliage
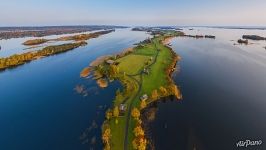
135	113
139	142
163	91
175	91
116	112
154	95
108	114
143	104
138	131
106	138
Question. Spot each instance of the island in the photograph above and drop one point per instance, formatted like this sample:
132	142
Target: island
240	41
201	36
21	32
20	59
145	74
79	37
253	37
35	42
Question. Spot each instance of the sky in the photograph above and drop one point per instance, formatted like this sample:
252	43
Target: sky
133	12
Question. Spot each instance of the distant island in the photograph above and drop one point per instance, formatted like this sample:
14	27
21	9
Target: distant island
35	42
79	37
20	32
253	37
20	59
245	39
144	72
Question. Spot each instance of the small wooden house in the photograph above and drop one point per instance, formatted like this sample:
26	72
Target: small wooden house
144	97
110	62
122	109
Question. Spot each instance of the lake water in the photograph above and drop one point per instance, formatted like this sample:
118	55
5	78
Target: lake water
14	45
224	94
39	106
46	105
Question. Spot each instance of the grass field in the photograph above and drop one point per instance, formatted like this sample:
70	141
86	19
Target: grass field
157	72
148	50
132	64
118	132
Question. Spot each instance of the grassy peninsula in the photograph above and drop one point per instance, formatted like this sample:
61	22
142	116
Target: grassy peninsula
144	73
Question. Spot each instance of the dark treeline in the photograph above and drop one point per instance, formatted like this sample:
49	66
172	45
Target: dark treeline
19	59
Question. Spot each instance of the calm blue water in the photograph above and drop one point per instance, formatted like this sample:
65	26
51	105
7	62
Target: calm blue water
14	46
39	108
224	94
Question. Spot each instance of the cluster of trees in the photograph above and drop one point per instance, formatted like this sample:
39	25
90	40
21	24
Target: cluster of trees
113	71
139	142
129	87
19	59
135	113
108	114
118	95
106	134
169	90
112	113
106	137
105	70
116	114
143	104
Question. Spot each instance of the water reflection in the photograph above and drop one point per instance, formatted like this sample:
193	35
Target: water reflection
223	87
40	107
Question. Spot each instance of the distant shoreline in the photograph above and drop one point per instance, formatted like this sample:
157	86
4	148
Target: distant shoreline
230	27
41	31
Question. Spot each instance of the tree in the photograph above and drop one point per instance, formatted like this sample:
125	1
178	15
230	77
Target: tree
139	143
116	111
135	143
154	95
114	70
142	144
175	91
143	104
106	138
163	91
118	95
135	113
108	114
138	131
